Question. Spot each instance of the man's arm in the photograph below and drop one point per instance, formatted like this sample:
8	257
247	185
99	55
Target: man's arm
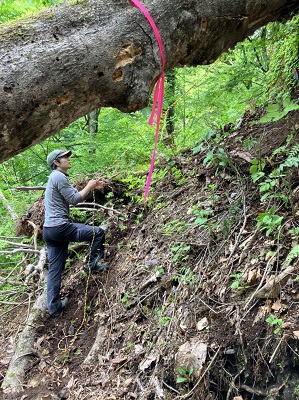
72	195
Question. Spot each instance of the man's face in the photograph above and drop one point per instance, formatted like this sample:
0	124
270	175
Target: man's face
63	163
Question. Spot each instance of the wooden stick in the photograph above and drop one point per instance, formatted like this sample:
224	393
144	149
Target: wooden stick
27	188
29	251
80	206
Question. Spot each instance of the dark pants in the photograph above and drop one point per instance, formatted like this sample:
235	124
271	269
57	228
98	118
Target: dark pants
57	240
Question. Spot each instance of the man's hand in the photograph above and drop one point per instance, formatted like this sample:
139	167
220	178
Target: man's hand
100	184
95	184
91	185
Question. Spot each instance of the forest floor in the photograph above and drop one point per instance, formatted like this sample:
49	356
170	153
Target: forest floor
185	295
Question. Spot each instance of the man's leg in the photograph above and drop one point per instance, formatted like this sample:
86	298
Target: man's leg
96	238
57	255
57	239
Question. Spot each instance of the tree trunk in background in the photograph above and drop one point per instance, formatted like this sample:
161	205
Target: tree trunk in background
11	211
168	138
93	126
70	59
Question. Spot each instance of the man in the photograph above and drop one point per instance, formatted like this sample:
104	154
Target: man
58	230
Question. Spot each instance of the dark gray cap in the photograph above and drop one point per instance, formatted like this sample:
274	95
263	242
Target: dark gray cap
56	154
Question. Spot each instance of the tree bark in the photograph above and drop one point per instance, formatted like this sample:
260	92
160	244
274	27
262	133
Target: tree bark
66	61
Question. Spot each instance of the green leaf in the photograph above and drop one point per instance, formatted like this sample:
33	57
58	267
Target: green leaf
270	319
235	285
273	108
288	105
256	175
181	370
200	221
181	379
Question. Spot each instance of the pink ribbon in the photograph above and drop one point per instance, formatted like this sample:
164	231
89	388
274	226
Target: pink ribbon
158	94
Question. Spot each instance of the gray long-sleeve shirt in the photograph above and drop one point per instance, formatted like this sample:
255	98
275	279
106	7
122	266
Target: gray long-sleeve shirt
58	197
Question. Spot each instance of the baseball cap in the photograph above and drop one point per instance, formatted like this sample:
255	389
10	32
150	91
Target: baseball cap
56	154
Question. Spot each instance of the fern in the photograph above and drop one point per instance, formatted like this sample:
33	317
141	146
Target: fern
292	254
283	149
294	151
292	158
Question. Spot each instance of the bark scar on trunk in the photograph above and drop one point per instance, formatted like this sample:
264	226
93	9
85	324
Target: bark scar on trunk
63	100
127	55
117	75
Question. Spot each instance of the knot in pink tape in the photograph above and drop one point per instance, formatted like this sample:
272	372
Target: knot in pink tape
158	94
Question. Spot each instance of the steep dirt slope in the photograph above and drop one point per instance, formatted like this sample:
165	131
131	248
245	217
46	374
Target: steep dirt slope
185	296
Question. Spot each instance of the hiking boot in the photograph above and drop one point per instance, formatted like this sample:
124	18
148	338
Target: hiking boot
99	267
96	269
93	259
59	312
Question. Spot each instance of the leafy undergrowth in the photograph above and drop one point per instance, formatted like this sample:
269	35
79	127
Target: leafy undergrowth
200	299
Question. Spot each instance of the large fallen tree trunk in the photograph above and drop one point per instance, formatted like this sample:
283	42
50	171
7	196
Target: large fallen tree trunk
75	57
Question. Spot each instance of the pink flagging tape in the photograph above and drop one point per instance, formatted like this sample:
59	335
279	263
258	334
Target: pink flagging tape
158	94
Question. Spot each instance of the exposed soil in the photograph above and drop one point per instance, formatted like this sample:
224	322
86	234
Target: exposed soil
169	283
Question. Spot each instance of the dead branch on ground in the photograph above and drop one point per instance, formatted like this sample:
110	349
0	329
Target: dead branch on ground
15	375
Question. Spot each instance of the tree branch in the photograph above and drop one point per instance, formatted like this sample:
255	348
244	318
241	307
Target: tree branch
28	188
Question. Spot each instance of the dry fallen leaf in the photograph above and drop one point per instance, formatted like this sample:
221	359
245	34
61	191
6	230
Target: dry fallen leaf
268	305
147	362
66	372
202	324
71	382
42	365
138	349
38	343
222	259
260	315
191	354
132	395
33	383
253	275
276	306
128	382
296	334
118	360
183	327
